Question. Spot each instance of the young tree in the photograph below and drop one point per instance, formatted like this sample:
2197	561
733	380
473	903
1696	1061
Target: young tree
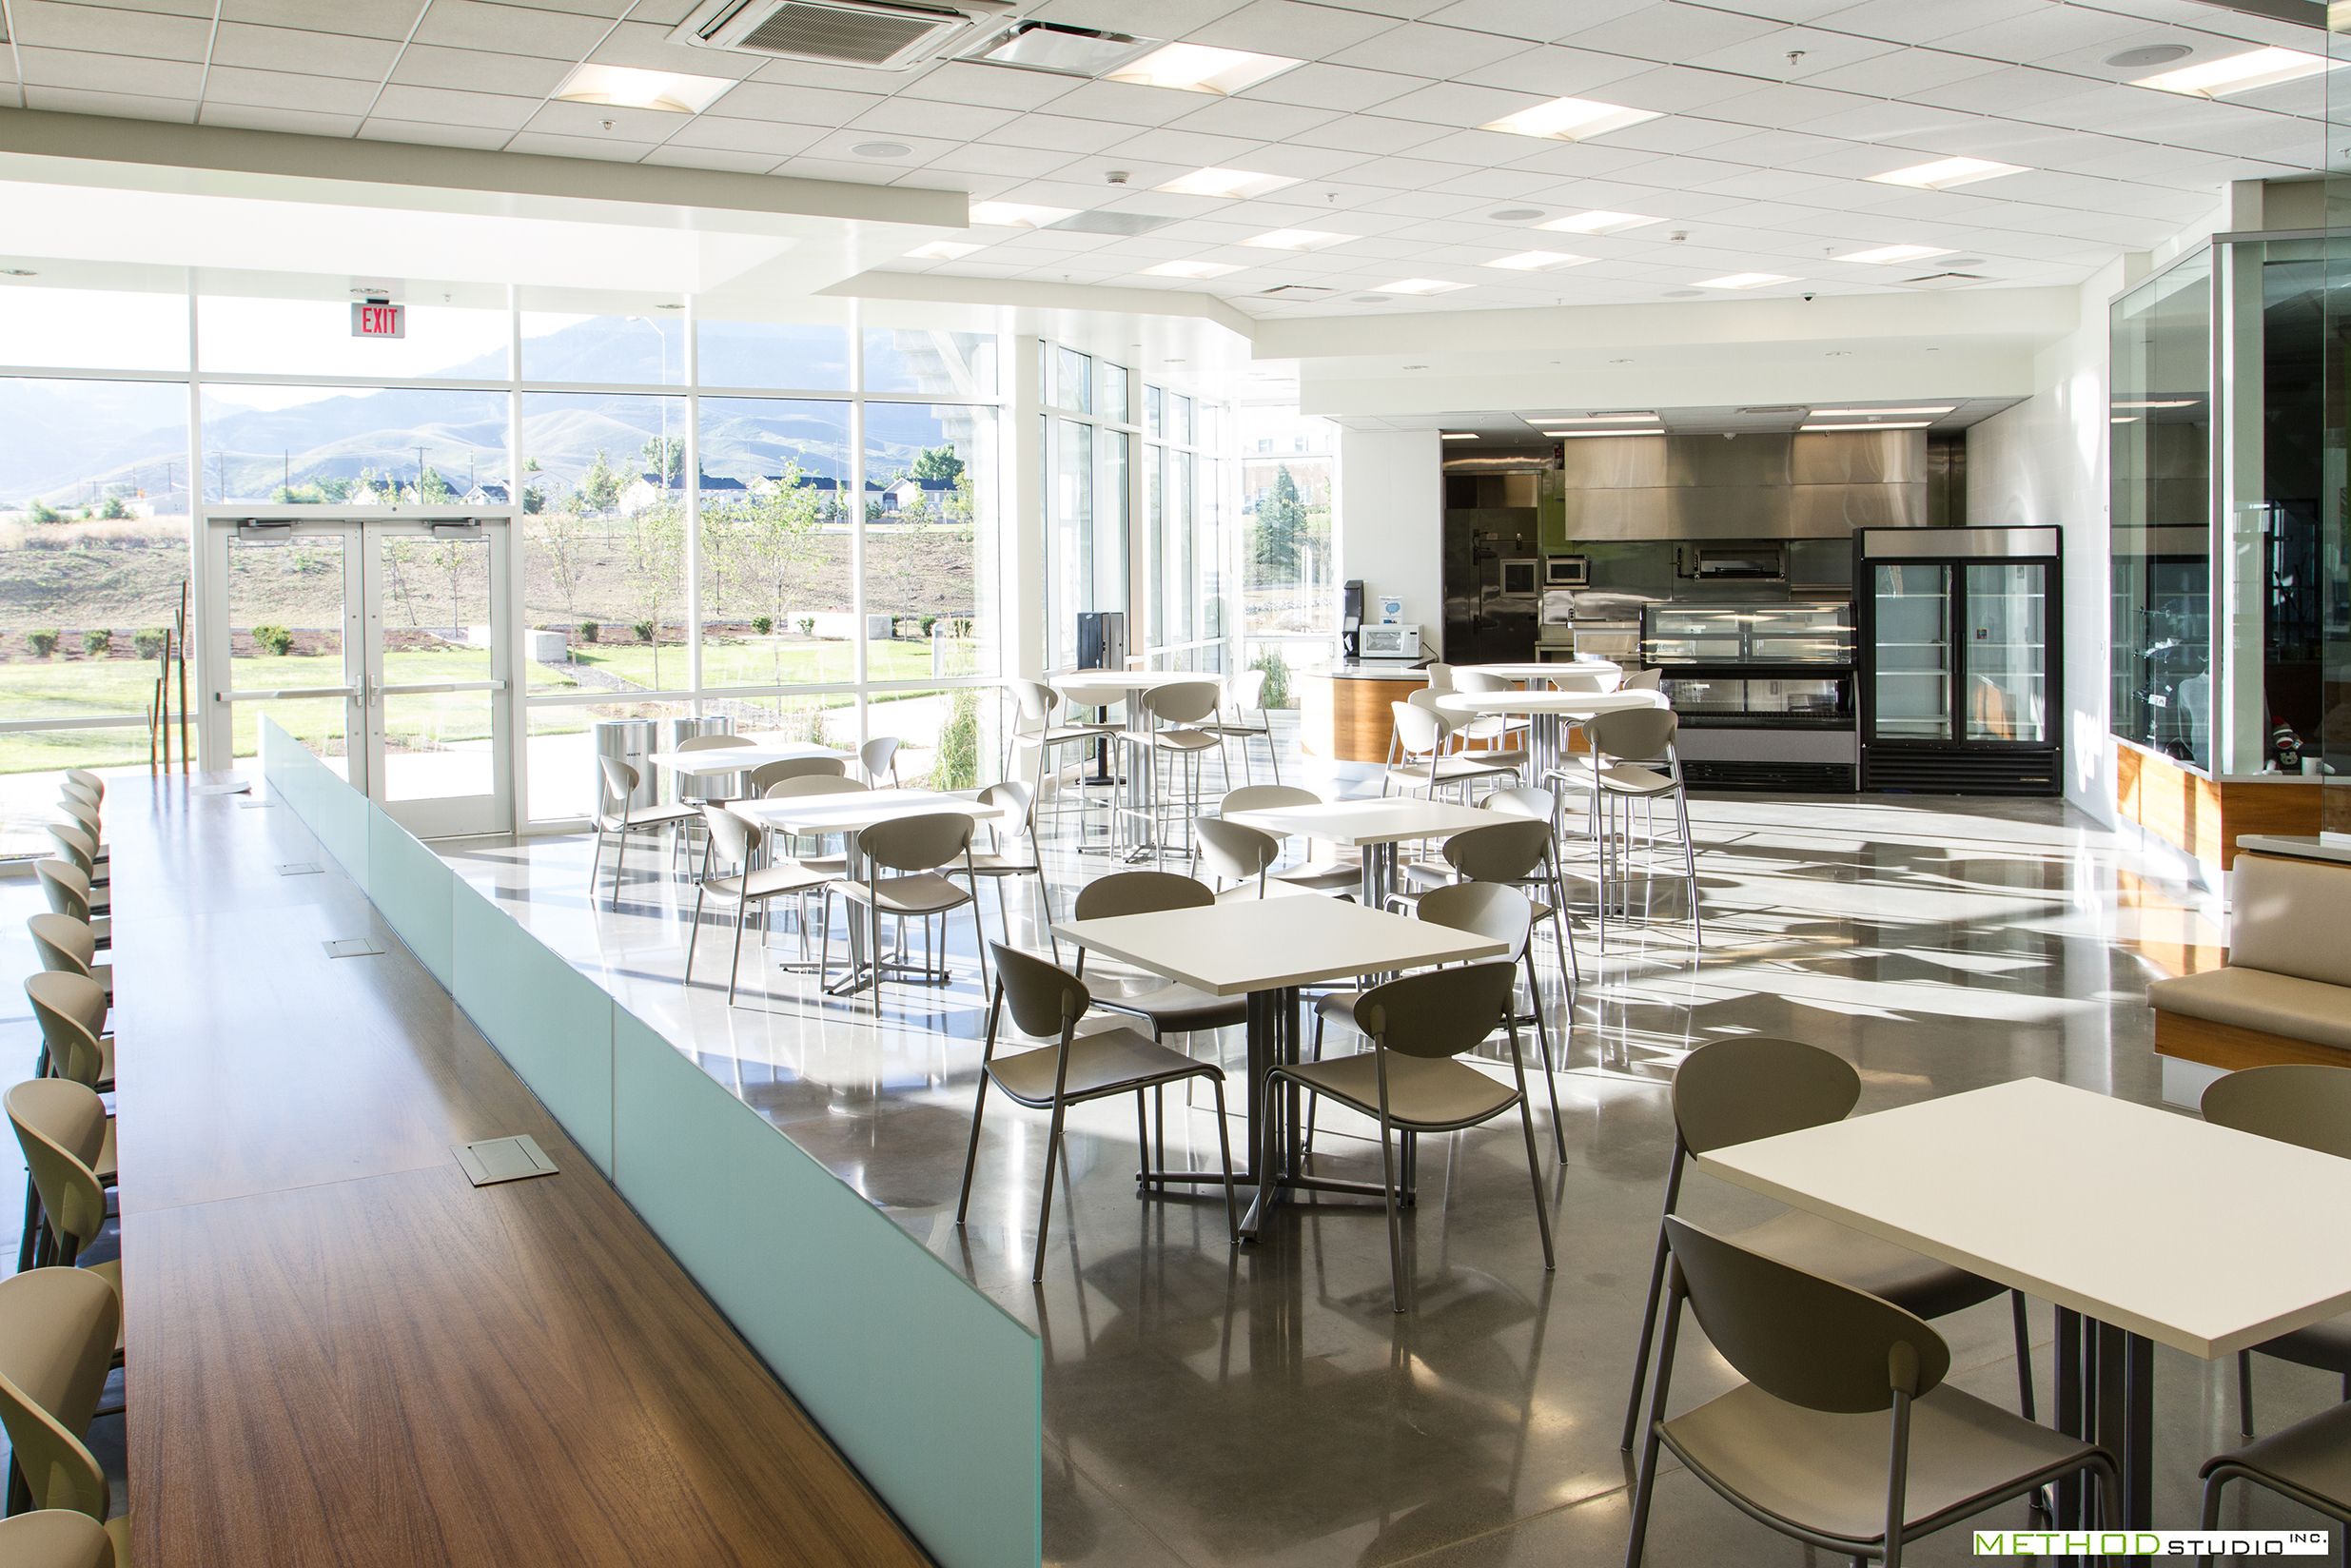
599	488
654	540
1281	518
666	455
772	538
561	537
431	488
936	462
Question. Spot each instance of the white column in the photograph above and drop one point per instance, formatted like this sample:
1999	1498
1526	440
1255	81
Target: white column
1022	531
1389	520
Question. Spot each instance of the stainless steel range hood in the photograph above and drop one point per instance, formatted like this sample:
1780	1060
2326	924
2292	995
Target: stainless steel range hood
1751	487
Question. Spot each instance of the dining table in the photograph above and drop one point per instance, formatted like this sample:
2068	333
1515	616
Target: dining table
729	761
2144	1226
1266	950
1549	715
1373	828
1562	674
1135	786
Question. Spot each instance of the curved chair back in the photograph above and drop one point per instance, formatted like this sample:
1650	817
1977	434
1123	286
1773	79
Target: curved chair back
1644	680
1139	893
71	1011
1183	702
815	784
75	846
63	943
1478	681
1798	1337
619	780
1440	676
1249	690
1733	1091
84	815
1634	735
83	793
57	1332
1509	851
1036	701
55	1538
65	886
1533	800
1419	732
1568	677
62	1125
1437	1012
1232	852
769	774
1425	700
878	756
1015	798
1260	797
923	843
2295	1103
1044	999
1491	909
90	781
733	840
711	742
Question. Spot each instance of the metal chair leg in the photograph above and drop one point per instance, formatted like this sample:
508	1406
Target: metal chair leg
1396	1229
1224	1149
2244	1394
1045	1201
1543	1040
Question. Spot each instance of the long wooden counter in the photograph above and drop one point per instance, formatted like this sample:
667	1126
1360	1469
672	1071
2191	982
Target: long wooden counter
1344	716
340	1352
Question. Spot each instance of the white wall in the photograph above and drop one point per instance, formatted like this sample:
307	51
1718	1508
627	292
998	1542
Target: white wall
2044	462
1389	519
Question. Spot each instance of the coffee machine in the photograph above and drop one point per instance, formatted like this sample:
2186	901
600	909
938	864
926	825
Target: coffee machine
1351	620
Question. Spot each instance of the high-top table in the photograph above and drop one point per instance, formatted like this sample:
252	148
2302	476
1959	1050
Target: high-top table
1549	713
1099	690
726	761
1550	671
2144	1226
1374	827
1266	949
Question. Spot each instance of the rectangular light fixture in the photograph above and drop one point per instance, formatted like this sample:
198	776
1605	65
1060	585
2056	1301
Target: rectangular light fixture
1599	223
625	86
1457	435
1419	285
1818	429
941	250
1017	214
1189	269
2261	67
2158	403
1886	255
1747	279
1944	173
1298	239
1536	261
1623	416
1230	184
1878	413
1570	119
1200	67
1574	435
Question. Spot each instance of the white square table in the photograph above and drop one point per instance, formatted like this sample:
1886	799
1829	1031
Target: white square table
1548	714
1374	827
722	761
1266	949
1098	690
2146	1226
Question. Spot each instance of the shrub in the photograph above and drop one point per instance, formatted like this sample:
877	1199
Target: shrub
956	764
816	736
97	640
808	625
277	639
148	644
644	630
763	625
588	630
41	644
1277	676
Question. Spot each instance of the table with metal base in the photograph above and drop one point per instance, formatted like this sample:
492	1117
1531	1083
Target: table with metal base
1375	827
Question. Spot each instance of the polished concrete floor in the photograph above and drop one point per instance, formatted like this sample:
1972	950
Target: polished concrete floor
1208	1405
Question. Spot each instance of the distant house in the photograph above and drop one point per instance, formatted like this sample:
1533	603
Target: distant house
645	489
365	492
898	497
485	494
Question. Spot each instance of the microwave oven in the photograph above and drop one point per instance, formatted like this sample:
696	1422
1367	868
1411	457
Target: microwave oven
1396	642
1567	570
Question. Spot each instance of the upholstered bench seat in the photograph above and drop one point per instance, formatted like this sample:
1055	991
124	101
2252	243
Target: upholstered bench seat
2285	993
2314	1011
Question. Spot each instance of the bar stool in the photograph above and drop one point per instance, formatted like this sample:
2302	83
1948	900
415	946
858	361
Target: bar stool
1177	712
1421	759
1625	745
1034	726
1497	739
67	1140
69	945
617	781
999	863
58	1331
1247	696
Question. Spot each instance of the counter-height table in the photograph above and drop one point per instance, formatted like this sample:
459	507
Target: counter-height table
1561	674
1266	949
2144	1226
1373	826
1136	785
727	761
1549	715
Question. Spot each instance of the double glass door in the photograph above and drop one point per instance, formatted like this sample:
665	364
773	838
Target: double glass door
376	642
1960	651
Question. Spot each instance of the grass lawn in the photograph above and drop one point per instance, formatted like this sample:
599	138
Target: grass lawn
755	662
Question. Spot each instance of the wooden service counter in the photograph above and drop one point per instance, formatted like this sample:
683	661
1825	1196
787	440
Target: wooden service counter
2203	817
1343	711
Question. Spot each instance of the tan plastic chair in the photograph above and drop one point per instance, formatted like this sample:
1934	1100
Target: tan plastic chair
83	793
1168	1008
1246	694
1844	1434
920	852
85	816
703	792
768	775
2308	1463
806	784
736	843
878	756
1245	856
1624	742
58	1330
94	783
69	947
71	1012
55	1538
2309	1104
1538	804
77	848
67	1137
1047	1001
1737	1090
1412	1083
1422	760
1324	873
1182	715
1497	739
616	817
68	892
1013	851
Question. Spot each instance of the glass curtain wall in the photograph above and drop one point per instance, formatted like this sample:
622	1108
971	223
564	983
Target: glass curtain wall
1086	449
1184	529
1289	609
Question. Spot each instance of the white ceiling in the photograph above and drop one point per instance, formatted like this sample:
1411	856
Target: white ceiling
1499	433
1759	160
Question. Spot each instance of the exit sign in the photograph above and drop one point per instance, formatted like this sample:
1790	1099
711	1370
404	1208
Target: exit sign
378	321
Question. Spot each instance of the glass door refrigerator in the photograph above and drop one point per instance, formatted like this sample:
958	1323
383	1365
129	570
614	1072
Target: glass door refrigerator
1961	663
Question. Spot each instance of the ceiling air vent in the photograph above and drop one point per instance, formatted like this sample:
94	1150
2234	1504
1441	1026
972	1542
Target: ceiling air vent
1945	280
868	34
1127	224
1294	292
1772	410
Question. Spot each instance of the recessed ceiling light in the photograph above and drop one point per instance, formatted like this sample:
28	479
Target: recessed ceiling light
1599	223
941	250
1886	255
1821	429
2159	403
1585	435
2261	67
1189	269
1627	415
1536	261
1457	435
882	149
1421	286
1017	214
1877	413
625	86
2153	54
1570	119
1199	68
1746	280
1230	184
1514	214
1298	239
1944	173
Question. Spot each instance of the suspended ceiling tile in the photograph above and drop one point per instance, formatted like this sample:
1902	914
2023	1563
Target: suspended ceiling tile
284	89
1341	88
989	86
1417	49
440	105
264	117
126	76
476	70
433	133
308	52
510	30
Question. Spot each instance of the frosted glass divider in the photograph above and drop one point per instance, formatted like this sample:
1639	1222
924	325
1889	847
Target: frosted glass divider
552	1024
412	888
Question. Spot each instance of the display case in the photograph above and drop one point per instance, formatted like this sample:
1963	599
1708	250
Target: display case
1764	691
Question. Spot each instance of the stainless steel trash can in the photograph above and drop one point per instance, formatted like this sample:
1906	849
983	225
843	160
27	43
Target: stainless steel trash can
675	732
628	741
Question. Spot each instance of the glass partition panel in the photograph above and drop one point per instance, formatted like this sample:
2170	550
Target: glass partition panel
552	1024
412	887
778	600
